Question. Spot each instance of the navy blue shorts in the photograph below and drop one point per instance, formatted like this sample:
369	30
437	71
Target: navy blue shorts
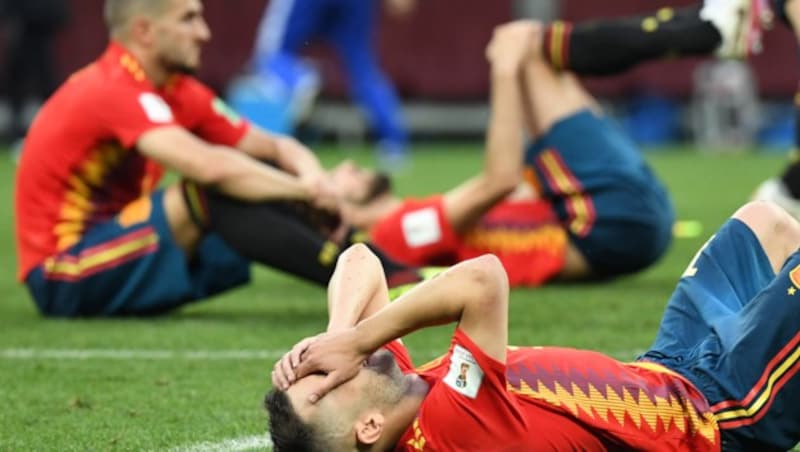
732	327
130	265
618	214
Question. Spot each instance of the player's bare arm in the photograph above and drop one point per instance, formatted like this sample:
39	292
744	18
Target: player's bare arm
357	288
473	293
233	173
285	151
502	172
356	291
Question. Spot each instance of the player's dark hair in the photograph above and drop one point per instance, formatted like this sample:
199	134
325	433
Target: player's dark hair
289	432
381	184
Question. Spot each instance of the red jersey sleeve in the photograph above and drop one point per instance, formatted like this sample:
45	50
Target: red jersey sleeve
468	407
205	114
401	355
417	233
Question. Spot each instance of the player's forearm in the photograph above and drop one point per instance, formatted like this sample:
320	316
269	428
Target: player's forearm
286	152
249	180
504	147
466	293
356	288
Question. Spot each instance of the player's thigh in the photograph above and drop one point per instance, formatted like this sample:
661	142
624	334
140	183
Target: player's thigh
749	363
128	265
617	212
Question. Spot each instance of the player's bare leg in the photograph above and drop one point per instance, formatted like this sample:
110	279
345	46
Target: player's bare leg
184	230
549	97
777	231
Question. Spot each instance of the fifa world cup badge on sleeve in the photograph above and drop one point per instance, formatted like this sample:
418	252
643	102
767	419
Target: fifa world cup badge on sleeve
155	108
421	227
465	375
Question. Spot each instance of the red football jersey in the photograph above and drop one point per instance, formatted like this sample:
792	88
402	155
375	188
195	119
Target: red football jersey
79	165
524	235
548	398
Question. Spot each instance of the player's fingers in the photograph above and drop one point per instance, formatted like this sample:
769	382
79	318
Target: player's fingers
287	369
278	379
297	351
330	381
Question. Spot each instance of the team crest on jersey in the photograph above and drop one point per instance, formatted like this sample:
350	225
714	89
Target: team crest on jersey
155	108
794	276
465	375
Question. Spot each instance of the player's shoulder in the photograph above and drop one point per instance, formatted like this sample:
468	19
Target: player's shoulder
187	85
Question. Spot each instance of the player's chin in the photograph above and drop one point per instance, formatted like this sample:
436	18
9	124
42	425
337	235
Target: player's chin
383	363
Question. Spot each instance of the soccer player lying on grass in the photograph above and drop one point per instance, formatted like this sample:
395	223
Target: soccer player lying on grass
590	205
727	28
94	234
721	374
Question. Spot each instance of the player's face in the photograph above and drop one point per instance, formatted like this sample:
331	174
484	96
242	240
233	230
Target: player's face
379	383
180	34
352	181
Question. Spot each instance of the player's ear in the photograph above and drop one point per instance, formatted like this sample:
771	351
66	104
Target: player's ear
141	30
369	427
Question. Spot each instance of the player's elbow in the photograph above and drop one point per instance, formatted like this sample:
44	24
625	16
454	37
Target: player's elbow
487	284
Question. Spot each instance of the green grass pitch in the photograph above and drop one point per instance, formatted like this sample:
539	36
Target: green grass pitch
194	380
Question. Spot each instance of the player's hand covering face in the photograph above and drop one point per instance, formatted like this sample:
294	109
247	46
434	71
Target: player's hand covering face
337	355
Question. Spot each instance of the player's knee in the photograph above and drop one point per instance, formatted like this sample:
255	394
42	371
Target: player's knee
357	252
770	222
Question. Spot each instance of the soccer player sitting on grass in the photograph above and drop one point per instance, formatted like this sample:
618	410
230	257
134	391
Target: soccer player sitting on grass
585	204
94	234
721	374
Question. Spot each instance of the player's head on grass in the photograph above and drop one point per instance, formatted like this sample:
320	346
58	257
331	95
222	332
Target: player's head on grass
360	186
357	415
167	36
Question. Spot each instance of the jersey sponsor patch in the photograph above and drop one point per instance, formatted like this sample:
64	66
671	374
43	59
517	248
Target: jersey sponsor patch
155	108
421	227
465	375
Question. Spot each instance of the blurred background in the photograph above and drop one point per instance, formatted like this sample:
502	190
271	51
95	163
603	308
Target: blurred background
434	56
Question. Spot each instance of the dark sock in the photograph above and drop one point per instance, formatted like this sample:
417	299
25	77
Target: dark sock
610	46
279	234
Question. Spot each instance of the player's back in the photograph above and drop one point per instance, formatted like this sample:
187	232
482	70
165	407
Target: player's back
73	172
638	406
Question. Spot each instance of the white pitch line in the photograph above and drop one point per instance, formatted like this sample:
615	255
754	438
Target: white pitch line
140	354
234	444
